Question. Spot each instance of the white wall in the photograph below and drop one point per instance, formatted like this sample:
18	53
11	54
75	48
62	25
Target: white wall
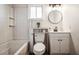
4	28
71	23
21	21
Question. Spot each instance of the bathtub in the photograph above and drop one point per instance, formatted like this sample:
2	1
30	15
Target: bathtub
18	47
23	50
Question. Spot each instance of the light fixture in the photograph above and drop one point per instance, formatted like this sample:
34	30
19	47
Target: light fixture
54	5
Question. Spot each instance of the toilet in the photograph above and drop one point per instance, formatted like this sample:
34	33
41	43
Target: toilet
39	47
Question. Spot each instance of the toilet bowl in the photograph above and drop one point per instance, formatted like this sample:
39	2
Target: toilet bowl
39	49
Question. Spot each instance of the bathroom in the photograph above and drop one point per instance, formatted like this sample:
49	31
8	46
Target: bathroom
55	24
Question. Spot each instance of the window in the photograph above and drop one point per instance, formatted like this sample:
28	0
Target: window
36	12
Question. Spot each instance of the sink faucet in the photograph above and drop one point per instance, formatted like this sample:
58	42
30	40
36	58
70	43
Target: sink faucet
56	29
38	24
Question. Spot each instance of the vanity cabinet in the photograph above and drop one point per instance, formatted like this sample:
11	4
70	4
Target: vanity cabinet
59	43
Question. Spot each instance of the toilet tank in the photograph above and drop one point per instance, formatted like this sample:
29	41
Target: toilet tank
39	37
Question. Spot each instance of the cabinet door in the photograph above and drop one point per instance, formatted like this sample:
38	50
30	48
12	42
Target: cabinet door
54	46
64	45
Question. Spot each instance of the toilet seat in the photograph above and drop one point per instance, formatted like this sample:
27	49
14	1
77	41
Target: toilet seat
39	48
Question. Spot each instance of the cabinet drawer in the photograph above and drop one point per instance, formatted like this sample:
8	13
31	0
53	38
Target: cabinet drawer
59	35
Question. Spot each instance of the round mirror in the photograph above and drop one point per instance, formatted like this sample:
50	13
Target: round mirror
55	16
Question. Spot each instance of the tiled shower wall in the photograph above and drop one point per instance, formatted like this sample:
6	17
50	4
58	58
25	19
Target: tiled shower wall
21	21
4	28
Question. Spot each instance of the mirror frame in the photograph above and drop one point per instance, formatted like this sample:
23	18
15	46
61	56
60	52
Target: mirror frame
55	16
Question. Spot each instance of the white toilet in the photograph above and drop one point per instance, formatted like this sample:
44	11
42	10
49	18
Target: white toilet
39	47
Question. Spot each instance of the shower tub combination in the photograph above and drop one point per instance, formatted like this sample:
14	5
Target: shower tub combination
14	47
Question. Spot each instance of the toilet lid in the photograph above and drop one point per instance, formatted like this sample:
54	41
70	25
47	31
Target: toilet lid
39	47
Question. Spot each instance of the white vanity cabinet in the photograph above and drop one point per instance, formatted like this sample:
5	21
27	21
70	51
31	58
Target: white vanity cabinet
59	43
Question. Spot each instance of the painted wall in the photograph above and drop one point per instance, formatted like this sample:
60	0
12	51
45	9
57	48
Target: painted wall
71	22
